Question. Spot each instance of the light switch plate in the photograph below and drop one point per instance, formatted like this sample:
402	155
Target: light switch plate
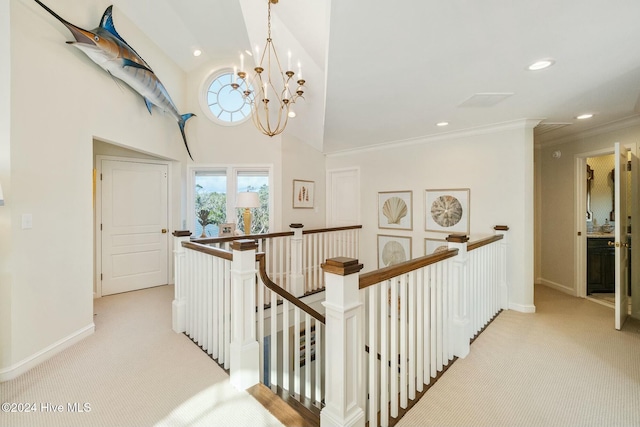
27	221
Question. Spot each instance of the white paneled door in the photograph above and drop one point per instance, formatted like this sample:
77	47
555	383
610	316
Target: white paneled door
343	197
134	225
621	241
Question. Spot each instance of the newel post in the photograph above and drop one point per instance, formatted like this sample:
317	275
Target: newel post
245	353
461	320
345	345
178	306
502	265
296	277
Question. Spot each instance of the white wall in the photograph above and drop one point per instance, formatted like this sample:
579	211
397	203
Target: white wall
5	217
301	161
558	242
61	103
496	164
55	116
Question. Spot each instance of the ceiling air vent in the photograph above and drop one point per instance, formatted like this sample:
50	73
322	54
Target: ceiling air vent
484	100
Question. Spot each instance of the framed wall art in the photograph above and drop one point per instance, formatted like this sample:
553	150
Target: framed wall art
447	211
303	194
393	250
432	246
395	210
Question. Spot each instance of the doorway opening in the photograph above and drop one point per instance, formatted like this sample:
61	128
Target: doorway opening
600	263
607	213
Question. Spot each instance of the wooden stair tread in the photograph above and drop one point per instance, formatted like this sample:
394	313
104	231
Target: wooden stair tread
287	410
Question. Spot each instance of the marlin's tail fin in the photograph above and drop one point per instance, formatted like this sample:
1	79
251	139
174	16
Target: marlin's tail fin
181	123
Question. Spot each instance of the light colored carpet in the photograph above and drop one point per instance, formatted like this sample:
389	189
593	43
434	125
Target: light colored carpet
563	366
133	371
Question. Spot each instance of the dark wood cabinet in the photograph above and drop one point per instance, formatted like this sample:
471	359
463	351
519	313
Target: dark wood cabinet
600	265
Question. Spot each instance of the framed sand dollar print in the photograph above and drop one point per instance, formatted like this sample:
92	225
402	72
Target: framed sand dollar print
393	250
447	211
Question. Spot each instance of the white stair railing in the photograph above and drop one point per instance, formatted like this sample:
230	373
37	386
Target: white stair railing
294	258
292	336
413	319
387	334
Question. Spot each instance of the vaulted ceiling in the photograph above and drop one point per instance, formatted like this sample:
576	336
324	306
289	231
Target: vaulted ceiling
379	72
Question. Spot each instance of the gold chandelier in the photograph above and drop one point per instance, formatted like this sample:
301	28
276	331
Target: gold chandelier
270	87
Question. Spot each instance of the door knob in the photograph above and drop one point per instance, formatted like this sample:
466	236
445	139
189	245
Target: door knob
164	231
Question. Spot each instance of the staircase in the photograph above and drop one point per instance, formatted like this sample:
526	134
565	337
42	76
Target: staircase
362	351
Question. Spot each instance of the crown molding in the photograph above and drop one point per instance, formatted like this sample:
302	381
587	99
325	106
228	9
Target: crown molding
596	130
426	139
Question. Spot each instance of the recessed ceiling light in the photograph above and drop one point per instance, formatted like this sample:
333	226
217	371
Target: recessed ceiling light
197	52
541	65
584	116
442	124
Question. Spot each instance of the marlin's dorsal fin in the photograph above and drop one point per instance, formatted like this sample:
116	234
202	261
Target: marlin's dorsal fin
106	23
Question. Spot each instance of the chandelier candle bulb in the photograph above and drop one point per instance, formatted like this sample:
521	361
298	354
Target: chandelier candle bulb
241	62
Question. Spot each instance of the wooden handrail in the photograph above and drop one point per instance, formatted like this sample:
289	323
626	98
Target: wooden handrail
326	230
377	276
210	240
260	258
483	242
220	253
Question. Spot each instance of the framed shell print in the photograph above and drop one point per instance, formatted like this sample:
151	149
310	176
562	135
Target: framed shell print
433	246
303	194
395	210
393	250
447	211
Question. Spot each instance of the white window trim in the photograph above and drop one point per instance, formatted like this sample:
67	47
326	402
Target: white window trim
204	102
232	172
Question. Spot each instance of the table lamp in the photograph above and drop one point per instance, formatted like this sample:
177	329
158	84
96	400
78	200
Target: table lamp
247	200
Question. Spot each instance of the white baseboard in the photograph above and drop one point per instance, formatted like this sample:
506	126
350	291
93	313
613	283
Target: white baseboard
522	308
30	362
557	286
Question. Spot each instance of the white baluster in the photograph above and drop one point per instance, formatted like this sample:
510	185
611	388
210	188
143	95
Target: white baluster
384	352
402	353
273	360
373	323
393	353
411	304
319	364
296	278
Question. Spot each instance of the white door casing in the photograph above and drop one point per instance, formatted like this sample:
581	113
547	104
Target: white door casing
343	197
621	241
134	226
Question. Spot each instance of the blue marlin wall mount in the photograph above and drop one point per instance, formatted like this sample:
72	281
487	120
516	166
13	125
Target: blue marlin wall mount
104	46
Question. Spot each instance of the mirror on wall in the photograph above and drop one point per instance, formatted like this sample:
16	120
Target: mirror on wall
600	188
589	180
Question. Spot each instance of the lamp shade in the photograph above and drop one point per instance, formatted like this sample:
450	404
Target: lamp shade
248	199
1	196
